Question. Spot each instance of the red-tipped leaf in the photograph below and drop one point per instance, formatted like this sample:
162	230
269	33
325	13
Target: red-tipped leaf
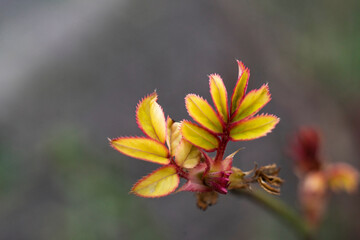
253	128
240	87
219	96
151	119
252	103
199	136
159	183
142	148
201	111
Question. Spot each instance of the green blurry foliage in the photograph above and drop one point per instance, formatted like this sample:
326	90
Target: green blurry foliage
97	204
322	38
68	191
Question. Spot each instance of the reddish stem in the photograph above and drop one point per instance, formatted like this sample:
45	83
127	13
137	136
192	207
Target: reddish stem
221	150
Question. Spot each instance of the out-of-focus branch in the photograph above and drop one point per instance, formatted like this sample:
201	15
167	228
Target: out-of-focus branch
279	208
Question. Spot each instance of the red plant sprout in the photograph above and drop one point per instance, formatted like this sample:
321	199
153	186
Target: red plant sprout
317	178
305	150
182	147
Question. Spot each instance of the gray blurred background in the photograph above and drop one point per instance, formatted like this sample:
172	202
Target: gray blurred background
72	72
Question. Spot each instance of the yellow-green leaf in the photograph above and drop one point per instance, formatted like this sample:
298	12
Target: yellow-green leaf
252	103
219	96
253	128
169	123
240	87
199	136
201	111
187	155
160	183
173	135
142	148
151	119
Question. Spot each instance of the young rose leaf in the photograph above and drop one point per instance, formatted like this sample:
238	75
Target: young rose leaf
252	103
151	119
240	87
169	123
160	183
219	96
173	135
201	111
187	155
253	128
199	136
142	148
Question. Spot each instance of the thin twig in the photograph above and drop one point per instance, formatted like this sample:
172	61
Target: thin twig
280	209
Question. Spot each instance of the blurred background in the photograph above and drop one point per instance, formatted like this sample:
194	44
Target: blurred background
72	72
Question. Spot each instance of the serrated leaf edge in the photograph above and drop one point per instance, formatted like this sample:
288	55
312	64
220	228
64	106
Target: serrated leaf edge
144	177
277	119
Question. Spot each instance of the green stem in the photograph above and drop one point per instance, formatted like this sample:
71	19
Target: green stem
280	208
